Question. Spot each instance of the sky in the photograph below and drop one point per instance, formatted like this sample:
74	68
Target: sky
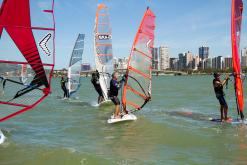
182	25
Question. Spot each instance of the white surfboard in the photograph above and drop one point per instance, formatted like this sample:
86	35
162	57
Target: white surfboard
2	137
106	102
127	117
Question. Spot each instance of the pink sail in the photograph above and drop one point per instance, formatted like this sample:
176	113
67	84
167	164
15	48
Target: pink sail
137	88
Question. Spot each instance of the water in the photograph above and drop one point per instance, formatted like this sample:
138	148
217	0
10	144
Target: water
172	129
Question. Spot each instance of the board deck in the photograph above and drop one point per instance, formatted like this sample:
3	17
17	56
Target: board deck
106	102
127	117
230	121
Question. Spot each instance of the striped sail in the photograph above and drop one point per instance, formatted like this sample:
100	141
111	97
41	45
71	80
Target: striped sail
103	48
74	70
137	88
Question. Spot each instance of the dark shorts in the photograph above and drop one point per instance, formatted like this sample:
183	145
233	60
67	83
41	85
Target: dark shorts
115	100
222	100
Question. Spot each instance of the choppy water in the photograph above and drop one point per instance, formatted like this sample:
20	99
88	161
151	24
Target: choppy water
76	133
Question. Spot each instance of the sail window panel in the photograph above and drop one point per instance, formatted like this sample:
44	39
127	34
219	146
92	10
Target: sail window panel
138	82
141	63
132	98
143	44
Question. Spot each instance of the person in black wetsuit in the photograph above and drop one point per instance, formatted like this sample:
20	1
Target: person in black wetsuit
115	85
64	88
218	89
97	87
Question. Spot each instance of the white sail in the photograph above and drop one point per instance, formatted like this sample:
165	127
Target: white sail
74	69
103	48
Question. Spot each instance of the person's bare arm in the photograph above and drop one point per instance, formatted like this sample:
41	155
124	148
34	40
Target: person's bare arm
226	79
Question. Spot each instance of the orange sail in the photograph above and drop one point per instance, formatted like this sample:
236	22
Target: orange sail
103	48
236	21
137	88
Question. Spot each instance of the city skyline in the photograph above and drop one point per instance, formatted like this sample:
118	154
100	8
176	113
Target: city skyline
181	26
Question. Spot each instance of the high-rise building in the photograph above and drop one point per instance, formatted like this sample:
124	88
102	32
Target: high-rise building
188	60
174	64
195	63
218	62
244	57
155	58
207	63
181	61
164	57
228	62
203	52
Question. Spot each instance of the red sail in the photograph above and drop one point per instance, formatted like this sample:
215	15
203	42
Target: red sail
16	23
137	88
236	20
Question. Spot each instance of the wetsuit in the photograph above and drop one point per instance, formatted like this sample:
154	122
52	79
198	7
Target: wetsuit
63	86
96	84
114	87
219	93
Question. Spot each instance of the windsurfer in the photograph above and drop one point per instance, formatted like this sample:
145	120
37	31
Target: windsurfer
64	88
115	85
218	89
96	84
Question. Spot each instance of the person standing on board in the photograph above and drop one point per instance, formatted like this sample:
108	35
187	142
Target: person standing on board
115	85
64	88
218	89
97	87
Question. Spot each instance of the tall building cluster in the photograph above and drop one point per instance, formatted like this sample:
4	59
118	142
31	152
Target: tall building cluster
120	63
186	61
160	58
190	61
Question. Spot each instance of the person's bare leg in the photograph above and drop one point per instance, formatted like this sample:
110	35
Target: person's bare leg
117	111
225	112
222	112
124	109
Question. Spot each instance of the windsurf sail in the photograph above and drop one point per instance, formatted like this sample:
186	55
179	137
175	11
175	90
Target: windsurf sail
27	37
137	87
103	48
23	73
74	78
236	21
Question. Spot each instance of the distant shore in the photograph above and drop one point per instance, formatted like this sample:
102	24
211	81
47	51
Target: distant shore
59	73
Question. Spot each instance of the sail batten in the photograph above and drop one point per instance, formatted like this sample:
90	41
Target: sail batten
137	88
236	22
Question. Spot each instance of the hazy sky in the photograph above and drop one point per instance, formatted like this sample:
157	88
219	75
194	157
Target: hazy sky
182	25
